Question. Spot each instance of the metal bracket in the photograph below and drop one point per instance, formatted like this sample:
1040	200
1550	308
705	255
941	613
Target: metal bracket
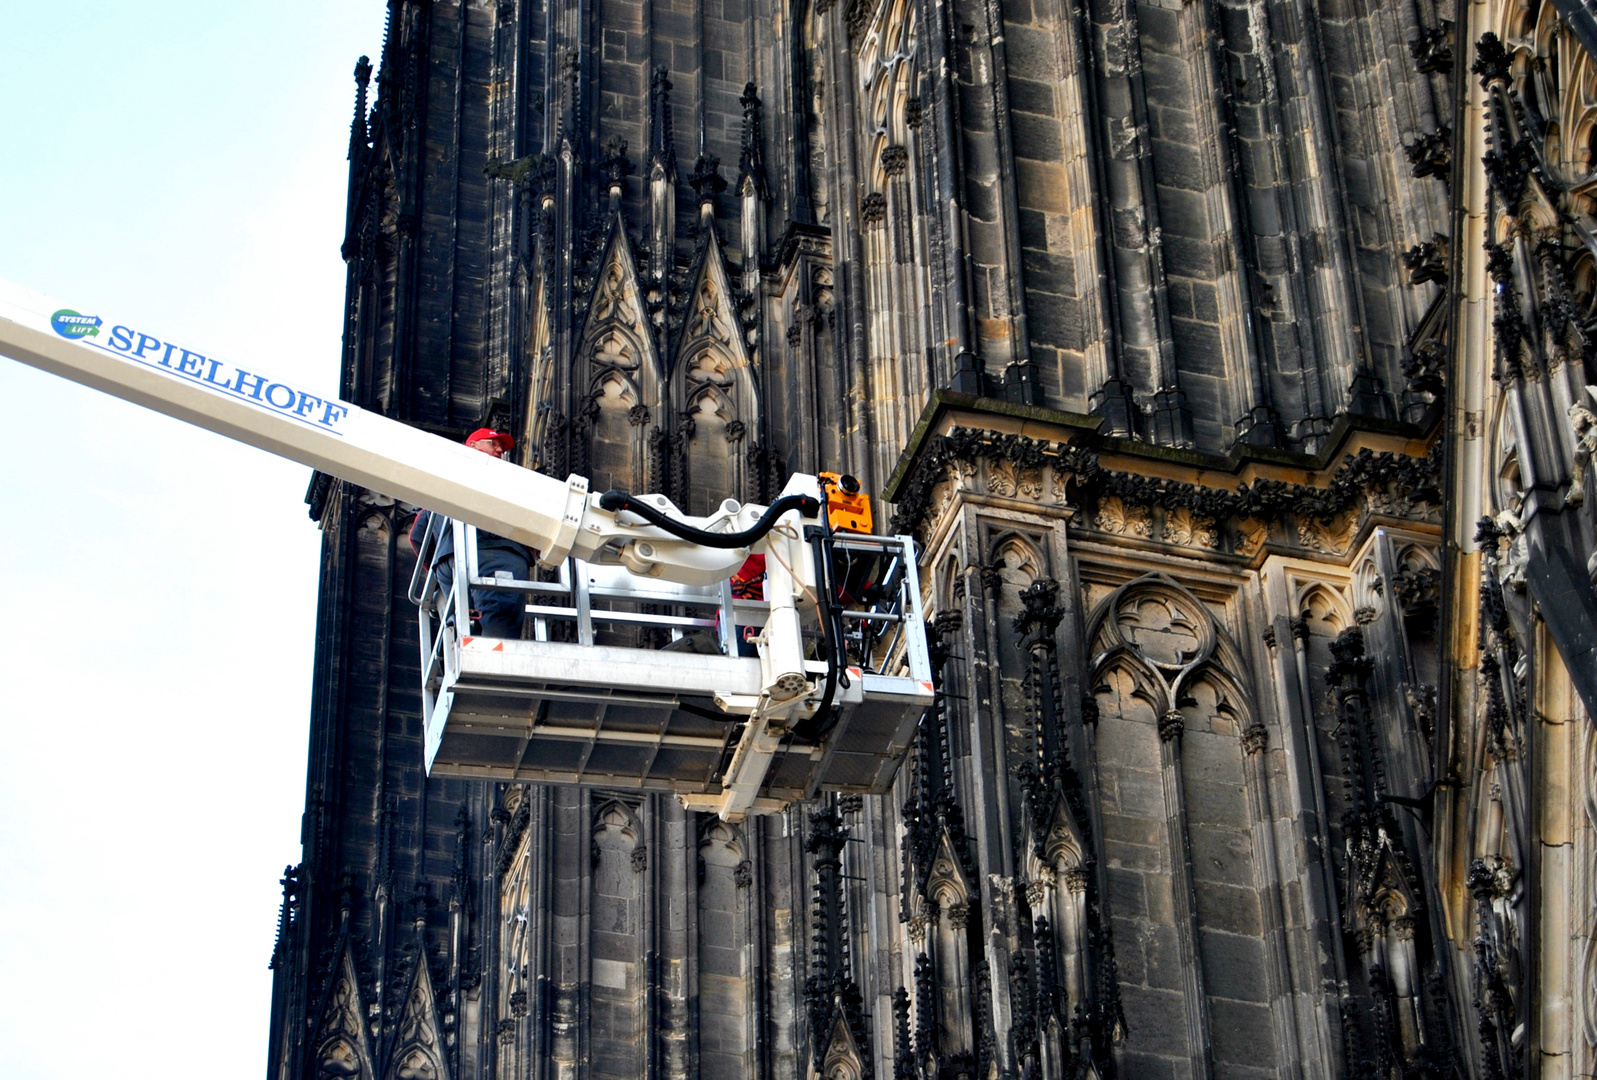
570	521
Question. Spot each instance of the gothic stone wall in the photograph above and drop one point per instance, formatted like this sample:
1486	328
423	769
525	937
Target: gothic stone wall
1130	311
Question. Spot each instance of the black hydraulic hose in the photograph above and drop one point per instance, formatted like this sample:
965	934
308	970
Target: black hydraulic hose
616	501
707	713
822	722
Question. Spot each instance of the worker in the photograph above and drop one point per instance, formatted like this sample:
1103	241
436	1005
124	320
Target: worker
749	584
498	611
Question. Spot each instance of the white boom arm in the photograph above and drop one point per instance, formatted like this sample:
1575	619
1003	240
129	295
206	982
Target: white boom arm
556	519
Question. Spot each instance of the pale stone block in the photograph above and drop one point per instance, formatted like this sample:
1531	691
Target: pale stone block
1556	933
1553	782
1216	758
1045	186
611	973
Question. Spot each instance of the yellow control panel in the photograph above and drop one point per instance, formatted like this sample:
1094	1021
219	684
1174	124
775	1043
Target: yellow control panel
848	509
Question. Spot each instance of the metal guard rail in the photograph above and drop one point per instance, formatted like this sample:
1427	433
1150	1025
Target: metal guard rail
874	582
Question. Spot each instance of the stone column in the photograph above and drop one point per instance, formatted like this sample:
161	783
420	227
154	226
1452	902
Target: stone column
1184	895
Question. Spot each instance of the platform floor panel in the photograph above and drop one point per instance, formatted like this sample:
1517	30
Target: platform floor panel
646	671
646	720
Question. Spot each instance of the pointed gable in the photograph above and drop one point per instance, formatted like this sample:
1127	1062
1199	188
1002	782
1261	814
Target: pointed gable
418	1042
1379	881
711	322
1063	843
947	877
712	385
342	1047
843	1060
617	384
617	299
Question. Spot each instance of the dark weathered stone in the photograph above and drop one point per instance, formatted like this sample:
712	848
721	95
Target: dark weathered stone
1101	315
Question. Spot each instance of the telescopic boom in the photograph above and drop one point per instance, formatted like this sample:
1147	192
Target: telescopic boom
171	376
578	713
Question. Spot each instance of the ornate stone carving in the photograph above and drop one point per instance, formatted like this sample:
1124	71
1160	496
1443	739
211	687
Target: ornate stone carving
614	164
1433	48
1332	535
1251	536
1028	482
1583	422
1001	478
1423	367
1113	516
751	159
1037	889
1408	482
1181	526
1431	155
1427	260
342	1043
1492	62
706	179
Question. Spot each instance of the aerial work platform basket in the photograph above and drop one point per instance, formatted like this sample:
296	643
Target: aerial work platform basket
632	682
737	705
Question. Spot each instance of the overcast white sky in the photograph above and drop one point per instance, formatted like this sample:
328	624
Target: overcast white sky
182	162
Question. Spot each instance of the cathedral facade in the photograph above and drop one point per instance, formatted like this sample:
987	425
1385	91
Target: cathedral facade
1229	362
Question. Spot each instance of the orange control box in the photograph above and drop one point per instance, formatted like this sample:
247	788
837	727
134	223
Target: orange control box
848	509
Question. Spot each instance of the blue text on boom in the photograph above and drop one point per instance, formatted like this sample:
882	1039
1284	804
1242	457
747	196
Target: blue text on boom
277	396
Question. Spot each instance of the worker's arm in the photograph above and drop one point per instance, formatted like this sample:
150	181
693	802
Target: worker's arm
419	526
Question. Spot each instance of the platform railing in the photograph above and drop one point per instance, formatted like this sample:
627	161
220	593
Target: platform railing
585	600
876	592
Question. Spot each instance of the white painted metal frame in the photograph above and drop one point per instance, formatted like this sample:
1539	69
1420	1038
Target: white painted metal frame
558	520
588	672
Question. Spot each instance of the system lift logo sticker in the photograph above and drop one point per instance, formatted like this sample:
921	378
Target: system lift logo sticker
74	326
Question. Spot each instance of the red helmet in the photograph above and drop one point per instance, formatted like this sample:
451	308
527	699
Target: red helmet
489	433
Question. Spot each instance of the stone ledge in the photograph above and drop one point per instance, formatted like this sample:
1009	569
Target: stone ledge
1349	434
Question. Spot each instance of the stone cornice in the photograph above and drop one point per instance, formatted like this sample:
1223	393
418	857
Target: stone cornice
1183	496
948	410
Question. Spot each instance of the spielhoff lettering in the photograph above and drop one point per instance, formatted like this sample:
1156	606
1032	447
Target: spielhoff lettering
249	384
210	376
234	381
